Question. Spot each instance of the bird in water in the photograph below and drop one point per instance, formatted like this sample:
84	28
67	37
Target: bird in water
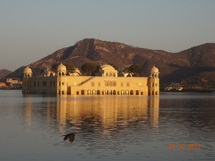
70	136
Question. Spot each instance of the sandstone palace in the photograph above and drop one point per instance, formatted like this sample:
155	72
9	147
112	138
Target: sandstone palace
108	83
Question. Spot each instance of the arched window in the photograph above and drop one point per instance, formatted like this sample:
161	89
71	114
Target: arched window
131	92
114	92
82	92
98	92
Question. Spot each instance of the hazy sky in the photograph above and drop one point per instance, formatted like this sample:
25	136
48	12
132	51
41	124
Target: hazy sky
33	29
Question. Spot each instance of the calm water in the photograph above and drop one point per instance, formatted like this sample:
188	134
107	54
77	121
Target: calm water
118	128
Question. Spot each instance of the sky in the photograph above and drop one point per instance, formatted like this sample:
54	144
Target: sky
33	29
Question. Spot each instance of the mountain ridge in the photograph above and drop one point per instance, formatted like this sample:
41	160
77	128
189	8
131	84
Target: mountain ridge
192	64
4	72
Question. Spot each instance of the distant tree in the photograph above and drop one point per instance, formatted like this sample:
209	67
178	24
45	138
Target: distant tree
135	69
70	67
89	68
54	67
36	71
114	66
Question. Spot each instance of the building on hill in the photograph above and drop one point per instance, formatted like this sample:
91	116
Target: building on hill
13	82
3	85
109	83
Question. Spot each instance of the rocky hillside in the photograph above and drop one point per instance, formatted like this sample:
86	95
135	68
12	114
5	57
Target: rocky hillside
193	64
4	72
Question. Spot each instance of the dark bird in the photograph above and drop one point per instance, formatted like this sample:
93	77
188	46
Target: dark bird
70	136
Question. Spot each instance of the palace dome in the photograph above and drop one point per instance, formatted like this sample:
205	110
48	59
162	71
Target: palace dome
61	67
154	70
77	71
107	67
27	70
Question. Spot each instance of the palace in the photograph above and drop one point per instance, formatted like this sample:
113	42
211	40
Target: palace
109	83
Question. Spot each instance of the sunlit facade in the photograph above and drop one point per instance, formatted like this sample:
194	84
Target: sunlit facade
109	83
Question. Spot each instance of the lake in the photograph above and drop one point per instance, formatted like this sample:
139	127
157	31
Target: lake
172	126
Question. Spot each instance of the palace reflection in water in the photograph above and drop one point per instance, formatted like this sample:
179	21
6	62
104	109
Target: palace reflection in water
93	112
107	128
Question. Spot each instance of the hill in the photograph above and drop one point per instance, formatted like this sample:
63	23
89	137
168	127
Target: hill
4	72
194	64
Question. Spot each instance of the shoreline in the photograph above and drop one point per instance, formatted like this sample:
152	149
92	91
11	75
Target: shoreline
191	90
